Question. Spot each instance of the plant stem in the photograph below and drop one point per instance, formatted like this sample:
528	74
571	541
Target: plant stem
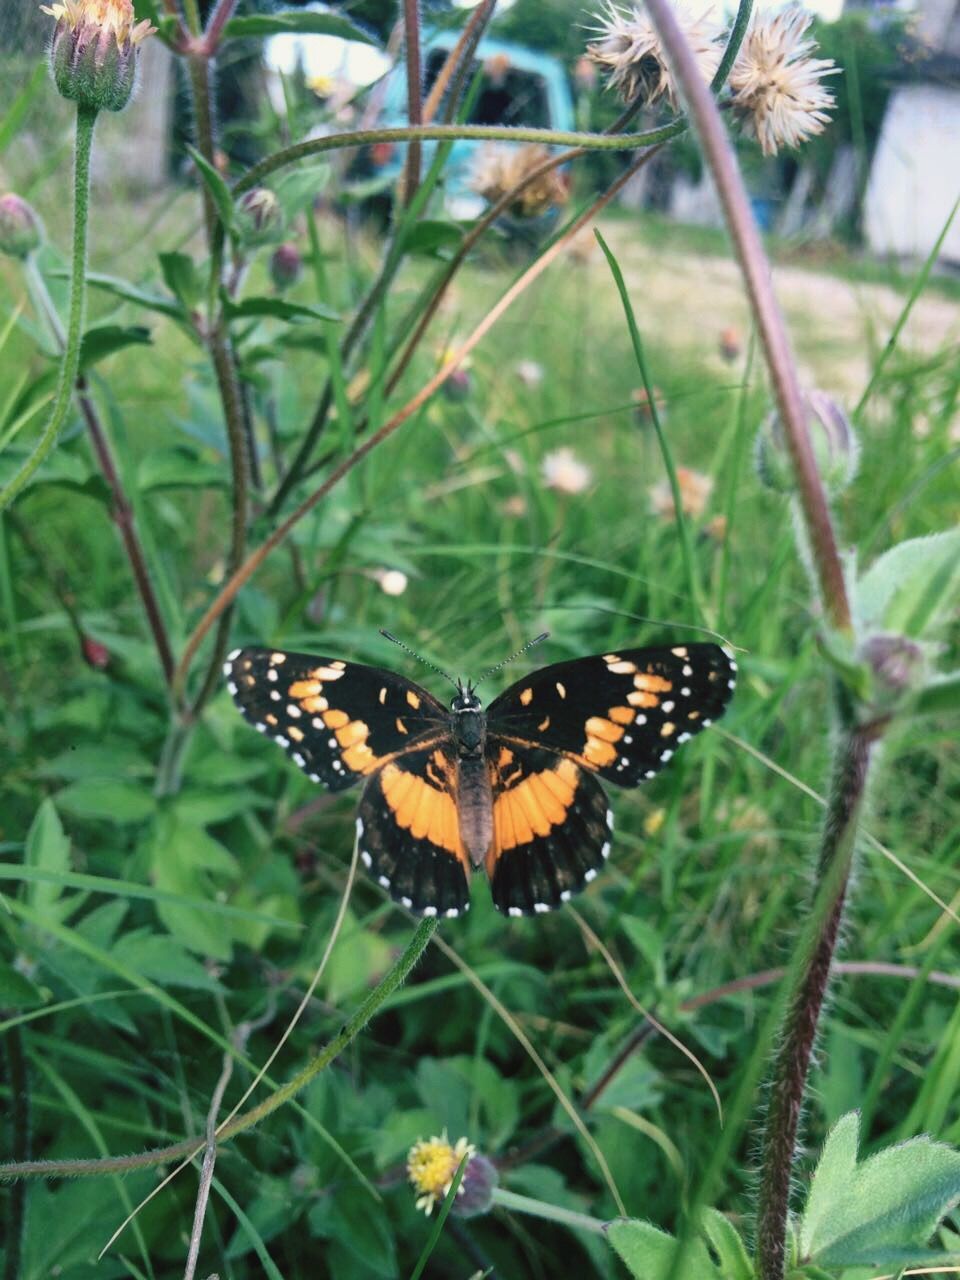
213	34
543	1209
769	320
86	120
789	1078
459	57
411	41
239	1124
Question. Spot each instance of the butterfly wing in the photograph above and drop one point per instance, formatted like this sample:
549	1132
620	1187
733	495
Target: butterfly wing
551	828
339	721
622	715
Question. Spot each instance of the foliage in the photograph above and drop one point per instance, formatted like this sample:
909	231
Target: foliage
170	882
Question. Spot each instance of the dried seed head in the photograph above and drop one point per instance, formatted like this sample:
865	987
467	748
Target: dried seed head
95	49
776	87
500	168
21	230
629	50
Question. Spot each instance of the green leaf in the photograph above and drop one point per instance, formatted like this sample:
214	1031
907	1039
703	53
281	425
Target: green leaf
359	959
941	694
302	22
16	991
912	587
881	1210
366	1235
182	277
107	800
133	293
163	960
178	469
185	860
650	1253
430	238
727	1244
278	308
297	189
219	191
48	850
104	340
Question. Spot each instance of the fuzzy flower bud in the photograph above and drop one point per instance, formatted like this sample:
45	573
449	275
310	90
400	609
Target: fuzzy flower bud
835	447
21	230
95	50
259	217
898	666
285	265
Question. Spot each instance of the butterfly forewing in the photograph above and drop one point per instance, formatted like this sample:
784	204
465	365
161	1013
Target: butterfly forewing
622	715
339	721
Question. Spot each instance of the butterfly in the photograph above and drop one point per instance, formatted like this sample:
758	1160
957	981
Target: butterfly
515	789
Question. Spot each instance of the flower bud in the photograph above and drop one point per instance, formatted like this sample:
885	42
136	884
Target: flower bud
898	665
95	654
21	230
457	386
836	448
480	1180
259	217
285	265
95	51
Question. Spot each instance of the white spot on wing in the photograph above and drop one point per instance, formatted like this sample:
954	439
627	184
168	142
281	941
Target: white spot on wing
231	689
540	908
293	711
665	756
610	819
514	911
452	912
605	851
272	674
274	696
429	911
298	759
383	881
687	669
667	708
233	655
366	859
566	895
591	875
406	902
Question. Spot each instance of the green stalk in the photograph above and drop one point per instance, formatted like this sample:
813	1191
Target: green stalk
239	1124
86	119
551	1212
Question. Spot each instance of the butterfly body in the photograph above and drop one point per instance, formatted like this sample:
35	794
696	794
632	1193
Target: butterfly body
515	788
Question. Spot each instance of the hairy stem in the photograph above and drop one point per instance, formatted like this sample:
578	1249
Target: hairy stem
769	320
411	41
393	980
86	120
788	1080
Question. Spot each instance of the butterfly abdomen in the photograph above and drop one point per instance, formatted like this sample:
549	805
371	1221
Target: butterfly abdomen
476	806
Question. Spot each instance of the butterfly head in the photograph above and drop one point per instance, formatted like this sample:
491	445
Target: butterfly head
465	698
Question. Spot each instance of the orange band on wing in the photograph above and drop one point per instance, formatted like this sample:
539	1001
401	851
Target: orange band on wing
423	810
534	807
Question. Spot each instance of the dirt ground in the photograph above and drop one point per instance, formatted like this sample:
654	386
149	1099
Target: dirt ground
837	325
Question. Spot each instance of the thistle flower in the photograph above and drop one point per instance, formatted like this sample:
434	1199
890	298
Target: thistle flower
776	87
432	1165
21	230
95	49
630	51
499	169
564	472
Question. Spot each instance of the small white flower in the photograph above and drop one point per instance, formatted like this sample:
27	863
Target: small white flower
777	90
563	471
393	582
630	51
530	374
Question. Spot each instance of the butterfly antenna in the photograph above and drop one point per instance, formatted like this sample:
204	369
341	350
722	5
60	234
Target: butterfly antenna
513	657
413	653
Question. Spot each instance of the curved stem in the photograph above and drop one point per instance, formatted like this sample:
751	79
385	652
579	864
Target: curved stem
239	1124
450	133
86	120
769	320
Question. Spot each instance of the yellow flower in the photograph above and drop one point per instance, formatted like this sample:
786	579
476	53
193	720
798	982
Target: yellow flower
432	1165
113	16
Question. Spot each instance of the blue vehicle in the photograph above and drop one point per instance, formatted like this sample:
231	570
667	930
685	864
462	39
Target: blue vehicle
520	86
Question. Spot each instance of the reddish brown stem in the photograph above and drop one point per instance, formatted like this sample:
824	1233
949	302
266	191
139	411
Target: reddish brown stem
411	39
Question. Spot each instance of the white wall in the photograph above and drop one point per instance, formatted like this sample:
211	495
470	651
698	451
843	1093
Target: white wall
915	175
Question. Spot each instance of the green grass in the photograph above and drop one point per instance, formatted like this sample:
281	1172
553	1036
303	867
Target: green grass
128	990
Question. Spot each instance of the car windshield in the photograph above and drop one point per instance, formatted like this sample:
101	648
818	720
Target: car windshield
508	95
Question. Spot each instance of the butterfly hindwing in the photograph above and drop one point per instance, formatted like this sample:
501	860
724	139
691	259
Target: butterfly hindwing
552	828
409	832
339	721
622	715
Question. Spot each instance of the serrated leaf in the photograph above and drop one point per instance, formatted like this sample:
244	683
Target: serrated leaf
303	22
106	339
219	191
107	800
911	587
181	277
881	1210
728	1245
650	1253
47	849
278	309
133	293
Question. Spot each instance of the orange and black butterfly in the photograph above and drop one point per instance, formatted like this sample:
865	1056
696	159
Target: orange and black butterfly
515	789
